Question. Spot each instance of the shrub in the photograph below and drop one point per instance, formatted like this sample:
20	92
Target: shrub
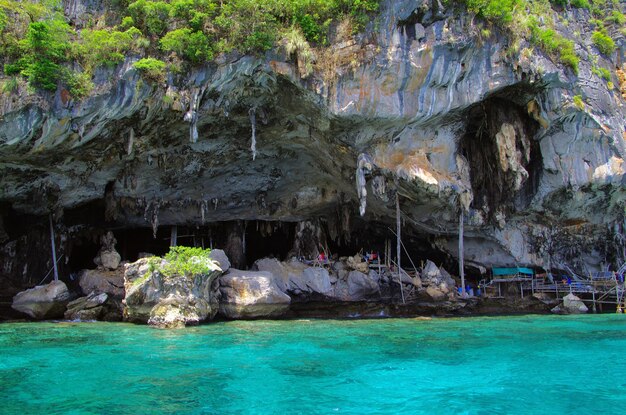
602	73
617	17
556	46
106	47
578	102
79	84
150	16
581	4
194	46
43	49
603	42
9	85
184	261
151	68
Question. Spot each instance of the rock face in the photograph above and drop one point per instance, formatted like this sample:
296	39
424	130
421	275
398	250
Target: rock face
442	115
573	305
361	286
439	284
91	307
44	301
170	301
108	257
102	281
251	294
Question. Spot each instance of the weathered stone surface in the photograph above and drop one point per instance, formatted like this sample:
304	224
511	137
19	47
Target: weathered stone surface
316	280
102	281
438	281
219	256
177	312
110	259
444	114
43	301
169	301
435	293
573	305
91	307
361	287
251	294
357	263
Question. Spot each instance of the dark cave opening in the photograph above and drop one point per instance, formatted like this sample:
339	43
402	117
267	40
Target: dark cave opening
268	239
131	242
81	252
492	183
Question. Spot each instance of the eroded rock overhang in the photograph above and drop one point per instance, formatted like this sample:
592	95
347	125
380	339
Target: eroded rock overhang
449	123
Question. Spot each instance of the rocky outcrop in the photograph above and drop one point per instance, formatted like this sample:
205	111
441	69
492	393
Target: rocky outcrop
95	306
571	305
177	311
101	281
43	301
251	294
437	113
361	286
438	283
108	257
169	301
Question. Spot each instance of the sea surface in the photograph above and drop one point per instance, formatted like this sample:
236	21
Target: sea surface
495	365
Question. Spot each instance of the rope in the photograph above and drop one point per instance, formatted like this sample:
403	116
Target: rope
51	269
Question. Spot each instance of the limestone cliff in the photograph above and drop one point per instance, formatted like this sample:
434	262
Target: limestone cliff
244	146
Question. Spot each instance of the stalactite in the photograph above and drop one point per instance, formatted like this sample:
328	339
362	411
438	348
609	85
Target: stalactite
252	114
131	141
191	117
203	209
243	238
153	217
363	165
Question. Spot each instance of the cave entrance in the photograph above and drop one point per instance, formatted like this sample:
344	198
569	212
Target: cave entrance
268	239
499	144
134	241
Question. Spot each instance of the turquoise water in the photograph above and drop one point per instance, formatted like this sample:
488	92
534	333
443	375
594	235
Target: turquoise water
529	365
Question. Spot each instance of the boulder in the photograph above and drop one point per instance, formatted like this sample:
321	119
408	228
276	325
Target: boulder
356	263
437	278
251	294
220	258
43	301
435	293
296	278
573	305
430	271
102	281
361	287
316	280
91	307
283	272
110	259
169	300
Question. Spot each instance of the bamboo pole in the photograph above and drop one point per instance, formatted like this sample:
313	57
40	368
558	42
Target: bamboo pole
406	252
54	251
398	244
174	235
461	265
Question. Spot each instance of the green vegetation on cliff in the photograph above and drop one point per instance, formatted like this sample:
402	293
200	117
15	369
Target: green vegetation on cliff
533	20
38	42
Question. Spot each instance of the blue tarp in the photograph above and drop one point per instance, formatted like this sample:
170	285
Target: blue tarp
512	271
